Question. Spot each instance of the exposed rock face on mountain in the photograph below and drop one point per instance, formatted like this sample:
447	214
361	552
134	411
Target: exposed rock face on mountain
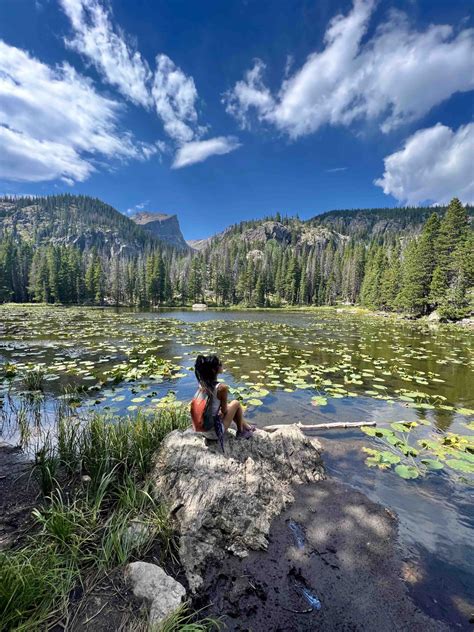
334	226
224	503
266	231
198	244
378	222
320	236
164	227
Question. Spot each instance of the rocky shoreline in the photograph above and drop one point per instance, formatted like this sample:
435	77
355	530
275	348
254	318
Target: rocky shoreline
271	545
265	541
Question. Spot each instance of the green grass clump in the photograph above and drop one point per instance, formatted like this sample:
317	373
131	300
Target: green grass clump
34	584
33	379
124	445
46	466
184	620
87	524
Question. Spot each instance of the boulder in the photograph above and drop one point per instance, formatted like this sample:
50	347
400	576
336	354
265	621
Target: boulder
268	230
150	583
434	317
224	503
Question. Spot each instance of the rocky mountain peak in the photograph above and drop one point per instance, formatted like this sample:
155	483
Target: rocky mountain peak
163	226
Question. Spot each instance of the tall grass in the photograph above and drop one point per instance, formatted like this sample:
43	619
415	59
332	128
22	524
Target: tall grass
46	466
125	445
33	379
94	482
184	620
34	584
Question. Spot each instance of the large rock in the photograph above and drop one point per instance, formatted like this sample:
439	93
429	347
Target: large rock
163	226
150	583
225	502
268	230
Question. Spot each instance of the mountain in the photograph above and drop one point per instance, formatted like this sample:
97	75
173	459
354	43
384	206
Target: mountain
378	223
75	249
359	224
72	220
164	227
86	223
198	244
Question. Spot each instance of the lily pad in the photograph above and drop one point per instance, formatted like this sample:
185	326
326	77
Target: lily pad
407	471
254	402
460	465
432	464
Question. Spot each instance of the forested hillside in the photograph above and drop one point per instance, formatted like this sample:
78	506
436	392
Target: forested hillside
382	259
71	220
72	249
377	222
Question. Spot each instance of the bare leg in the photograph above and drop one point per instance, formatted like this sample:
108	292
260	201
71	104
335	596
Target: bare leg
235	413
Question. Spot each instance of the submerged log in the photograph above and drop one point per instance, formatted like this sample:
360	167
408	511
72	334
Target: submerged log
328	426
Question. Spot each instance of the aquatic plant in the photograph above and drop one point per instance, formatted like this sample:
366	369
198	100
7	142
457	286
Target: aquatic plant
413	458
33	378
8	371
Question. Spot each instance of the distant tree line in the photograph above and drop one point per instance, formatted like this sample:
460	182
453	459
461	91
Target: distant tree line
433	270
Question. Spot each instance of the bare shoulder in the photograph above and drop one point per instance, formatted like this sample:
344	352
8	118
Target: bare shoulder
222	388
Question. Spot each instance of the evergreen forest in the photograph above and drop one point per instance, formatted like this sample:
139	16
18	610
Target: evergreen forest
77	250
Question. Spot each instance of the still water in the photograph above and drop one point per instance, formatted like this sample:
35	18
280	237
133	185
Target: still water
286	366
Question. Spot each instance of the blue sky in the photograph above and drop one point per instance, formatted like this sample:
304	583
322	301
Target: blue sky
223	111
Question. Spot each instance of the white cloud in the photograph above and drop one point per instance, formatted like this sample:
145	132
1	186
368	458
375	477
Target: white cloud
53	123
115	59
138	207
250	93
336	169
28	159
168	89
434	165
174	95
396	76
198	151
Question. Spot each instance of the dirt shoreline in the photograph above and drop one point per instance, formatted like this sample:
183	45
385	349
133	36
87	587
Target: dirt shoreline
18	495
336	547
333	563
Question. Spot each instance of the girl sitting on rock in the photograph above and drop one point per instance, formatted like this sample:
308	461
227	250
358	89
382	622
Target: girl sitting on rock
212	415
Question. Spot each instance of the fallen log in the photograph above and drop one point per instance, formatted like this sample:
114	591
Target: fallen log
328	426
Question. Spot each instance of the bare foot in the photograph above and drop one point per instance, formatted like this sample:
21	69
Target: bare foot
251	427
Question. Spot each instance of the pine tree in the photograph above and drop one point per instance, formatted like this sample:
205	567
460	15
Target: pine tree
99	282
260	292
195	281
90	279
292	281
390	280
452	233
418	270
370	294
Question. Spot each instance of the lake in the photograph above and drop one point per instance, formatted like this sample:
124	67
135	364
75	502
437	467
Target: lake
326	365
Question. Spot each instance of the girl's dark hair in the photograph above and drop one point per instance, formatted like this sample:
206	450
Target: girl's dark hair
205	369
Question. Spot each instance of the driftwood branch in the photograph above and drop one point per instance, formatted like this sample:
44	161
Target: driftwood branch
328	426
